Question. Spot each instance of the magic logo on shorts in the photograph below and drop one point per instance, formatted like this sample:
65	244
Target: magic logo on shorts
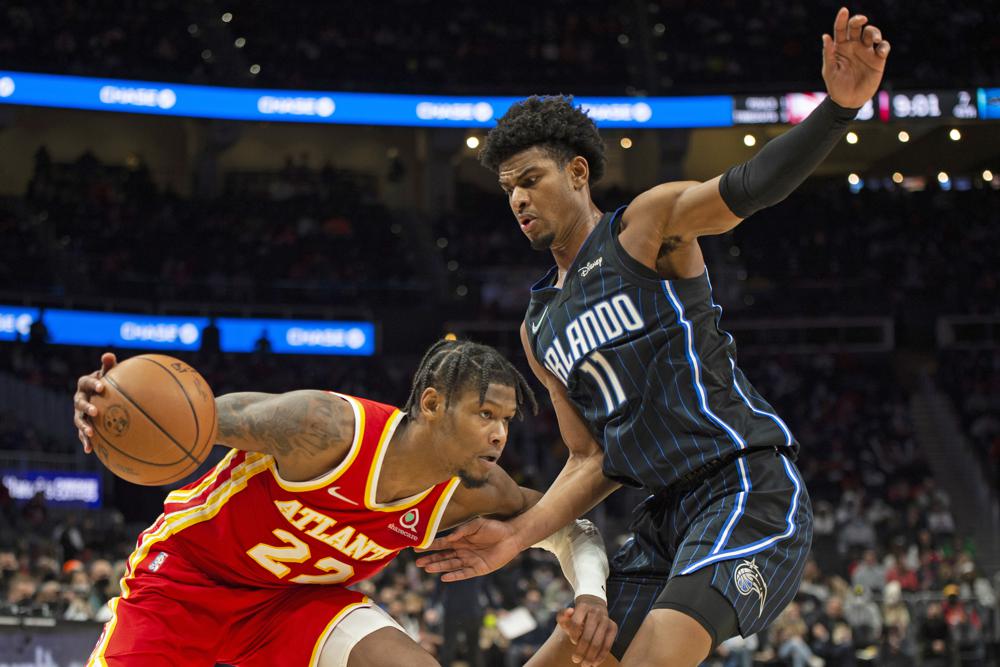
749	580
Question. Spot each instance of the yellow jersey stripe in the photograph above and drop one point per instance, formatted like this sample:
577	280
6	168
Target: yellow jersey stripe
438	512
376	469
177	521
184	495
173	523
97	657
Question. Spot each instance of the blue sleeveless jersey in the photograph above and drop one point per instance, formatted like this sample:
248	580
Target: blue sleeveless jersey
646	364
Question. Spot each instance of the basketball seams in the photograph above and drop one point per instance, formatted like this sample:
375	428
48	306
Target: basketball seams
135	458
157	482
194	413
155	423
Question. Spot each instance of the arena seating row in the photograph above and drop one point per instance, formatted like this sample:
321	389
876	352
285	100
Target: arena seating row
583	46
296	236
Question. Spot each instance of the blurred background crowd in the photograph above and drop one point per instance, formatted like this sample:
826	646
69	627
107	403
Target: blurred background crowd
866	315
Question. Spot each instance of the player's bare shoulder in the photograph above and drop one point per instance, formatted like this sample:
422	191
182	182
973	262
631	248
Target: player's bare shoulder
307	431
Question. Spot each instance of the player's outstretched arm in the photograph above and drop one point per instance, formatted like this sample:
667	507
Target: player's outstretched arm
676	213
577	546
581	483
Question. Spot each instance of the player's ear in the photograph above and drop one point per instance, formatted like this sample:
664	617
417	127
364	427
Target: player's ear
579	171
431	403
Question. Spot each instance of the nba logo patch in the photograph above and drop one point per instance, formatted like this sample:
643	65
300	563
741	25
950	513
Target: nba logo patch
157	562
749	580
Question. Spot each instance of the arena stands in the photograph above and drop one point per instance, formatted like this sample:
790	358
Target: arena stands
616	48
894	579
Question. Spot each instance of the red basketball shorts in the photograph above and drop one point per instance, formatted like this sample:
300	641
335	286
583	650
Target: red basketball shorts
172	614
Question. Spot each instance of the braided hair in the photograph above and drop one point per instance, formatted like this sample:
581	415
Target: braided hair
451	366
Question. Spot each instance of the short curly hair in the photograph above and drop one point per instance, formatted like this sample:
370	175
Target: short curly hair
553	124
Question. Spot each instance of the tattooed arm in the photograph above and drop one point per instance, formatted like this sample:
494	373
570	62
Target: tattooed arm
307	432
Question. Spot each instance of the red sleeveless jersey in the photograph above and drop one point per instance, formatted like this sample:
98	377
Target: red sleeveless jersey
242	524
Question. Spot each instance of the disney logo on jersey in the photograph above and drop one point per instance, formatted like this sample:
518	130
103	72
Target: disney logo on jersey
584	270
408	521
749	580
602	323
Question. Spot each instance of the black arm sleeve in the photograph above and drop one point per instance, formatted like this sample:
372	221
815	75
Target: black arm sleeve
782	165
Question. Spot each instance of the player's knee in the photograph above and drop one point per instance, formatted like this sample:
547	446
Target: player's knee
387	646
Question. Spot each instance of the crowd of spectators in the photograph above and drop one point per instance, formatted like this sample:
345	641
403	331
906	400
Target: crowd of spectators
892	581
298	235
881	250
659	47
972	379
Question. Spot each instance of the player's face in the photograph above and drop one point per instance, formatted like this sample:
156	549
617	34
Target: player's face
478	432
541	194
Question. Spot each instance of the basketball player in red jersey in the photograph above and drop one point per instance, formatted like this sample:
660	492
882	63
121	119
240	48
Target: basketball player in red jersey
250	565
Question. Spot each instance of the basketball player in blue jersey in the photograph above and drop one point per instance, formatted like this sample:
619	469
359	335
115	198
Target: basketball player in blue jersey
625	335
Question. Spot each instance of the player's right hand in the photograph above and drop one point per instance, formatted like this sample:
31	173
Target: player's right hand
589	629
83	410
473	549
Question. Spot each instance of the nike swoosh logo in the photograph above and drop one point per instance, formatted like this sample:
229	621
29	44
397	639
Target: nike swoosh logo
537	325
333	491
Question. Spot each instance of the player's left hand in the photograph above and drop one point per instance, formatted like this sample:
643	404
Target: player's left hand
853	60
473	549
589	629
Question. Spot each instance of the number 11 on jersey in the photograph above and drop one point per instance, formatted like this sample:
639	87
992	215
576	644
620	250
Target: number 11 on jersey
606	378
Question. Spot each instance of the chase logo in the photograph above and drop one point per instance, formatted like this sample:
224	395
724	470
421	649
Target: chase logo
640	112
458	111
159	332
353	338
6	86
296	106
162	98
749	580
20	323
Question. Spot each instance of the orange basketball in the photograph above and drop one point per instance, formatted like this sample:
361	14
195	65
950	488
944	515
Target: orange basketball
155	420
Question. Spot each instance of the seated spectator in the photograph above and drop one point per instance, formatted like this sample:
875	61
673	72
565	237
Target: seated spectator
830	636
788	634
869	574
935	639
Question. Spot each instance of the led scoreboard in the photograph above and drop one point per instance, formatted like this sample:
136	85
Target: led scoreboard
947	104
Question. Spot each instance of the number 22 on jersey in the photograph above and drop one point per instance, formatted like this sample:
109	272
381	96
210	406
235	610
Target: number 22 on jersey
273	559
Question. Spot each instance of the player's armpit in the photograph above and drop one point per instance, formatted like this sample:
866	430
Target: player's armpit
306	431
672	215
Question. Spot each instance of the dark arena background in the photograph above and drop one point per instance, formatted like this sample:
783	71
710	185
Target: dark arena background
286	195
